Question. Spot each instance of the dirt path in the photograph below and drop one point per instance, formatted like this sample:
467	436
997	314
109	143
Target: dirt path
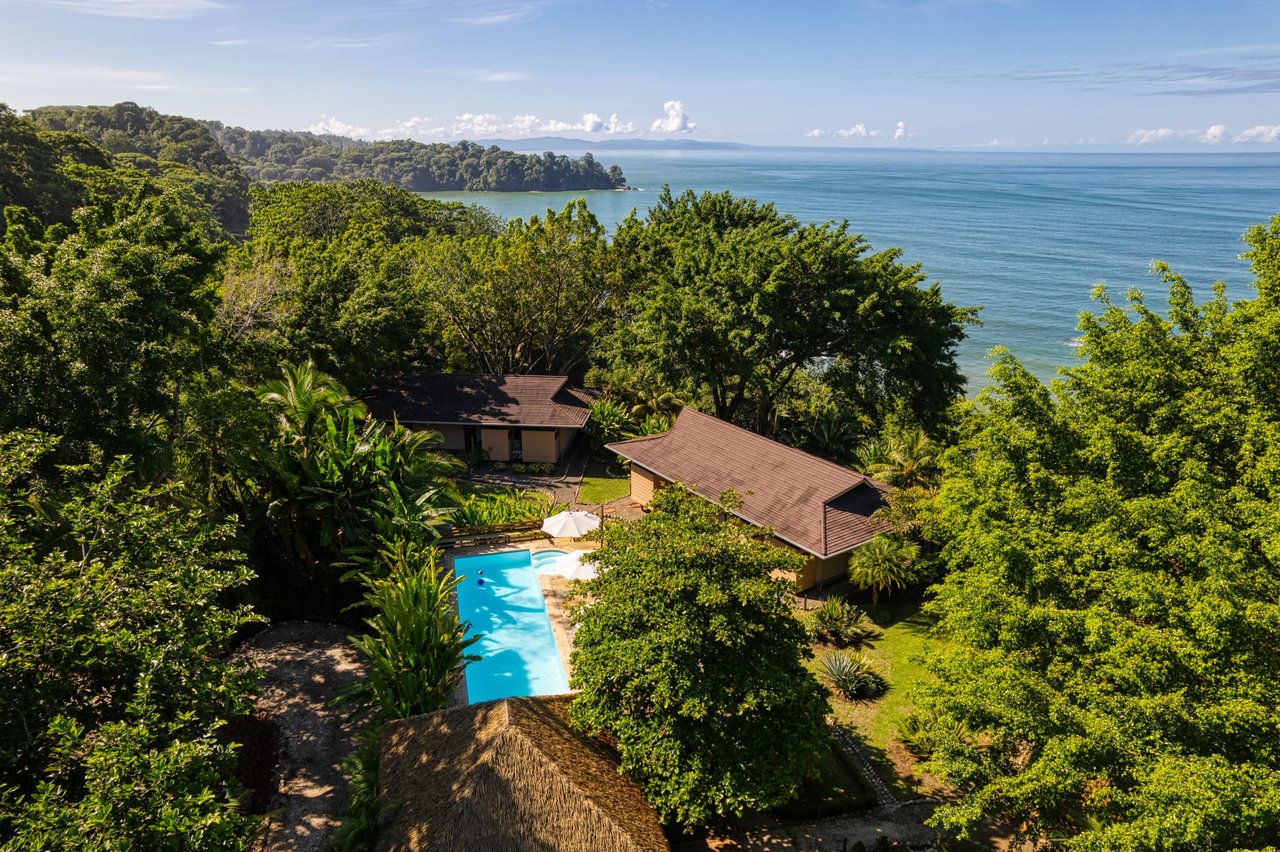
305	665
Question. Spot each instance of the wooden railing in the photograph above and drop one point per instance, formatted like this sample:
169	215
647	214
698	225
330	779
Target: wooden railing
459	536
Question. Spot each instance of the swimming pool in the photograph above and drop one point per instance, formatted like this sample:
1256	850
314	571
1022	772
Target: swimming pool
518	653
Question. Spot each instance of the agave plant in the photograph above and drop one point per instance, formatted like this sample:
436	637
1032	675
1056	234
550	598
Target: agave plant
854	676
840	623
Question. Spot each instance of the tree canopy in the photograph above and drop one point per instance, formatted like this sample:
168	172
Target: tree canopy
1115	583
527	300
687	655
113	680
285	155
728	298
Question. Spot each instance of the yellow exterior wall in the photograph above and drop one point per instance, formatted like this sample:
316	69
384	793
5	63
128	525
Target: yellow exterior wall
818	571
643	484
454	438
497	443
539	446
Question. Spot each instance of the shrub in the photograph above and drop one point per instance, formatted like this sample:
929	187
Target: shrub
499	465
842	624
853	675
518	467
416	647
503	507
921	731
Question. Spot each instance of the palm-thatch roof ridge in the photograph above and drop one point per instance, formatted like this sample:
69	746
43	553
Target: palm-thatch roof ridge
506	774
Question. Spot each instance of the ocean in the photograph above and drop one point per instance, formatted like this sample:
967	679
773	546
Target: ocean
1026	236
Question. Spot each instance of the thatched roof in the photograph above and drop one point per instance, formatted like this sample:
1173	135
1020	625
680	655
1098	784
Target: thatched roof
510	775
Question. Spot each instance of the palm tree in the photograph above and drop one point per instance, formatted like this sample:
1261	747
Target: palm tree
304	395
871	455
907	459
883	564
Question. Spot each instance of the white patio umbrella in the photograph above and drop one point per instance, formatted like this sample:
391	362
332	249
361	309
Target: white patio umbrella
570	524
572	567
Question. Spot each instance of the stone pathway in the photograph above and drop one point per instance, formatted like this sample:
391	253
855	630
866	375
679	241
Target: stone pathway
885	797
305	664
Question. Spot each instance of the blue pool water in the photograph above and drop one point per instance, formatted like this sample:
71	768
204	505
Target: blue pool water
518	654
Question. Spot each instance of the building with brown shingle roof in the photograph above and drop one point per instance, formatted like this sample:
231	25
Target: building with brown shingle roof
811	504
507	774
511	417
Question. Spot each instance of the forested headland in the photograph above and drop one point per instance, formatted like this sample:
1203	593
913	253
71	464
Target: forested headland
183	452
219	162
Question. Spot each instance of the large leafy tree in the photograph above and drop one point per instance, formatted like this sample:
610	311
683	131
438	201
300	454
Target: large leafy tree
1115	585
327	274
105	323
730	300
688	657
113	677
527	300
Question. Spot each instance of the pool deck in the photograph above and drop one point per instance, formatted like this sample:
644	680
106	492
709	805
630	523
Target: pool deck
555	590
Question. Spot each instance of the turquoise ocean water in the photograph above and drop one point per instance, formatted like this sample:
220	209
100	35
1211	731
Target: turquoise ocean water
1024	235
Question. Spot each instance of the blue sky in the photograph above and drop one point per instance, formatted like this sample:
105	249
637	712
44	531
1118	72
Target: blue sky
948	74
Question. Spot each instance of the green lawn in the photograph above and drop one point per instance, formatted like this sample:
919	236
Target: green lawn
898	652
602	483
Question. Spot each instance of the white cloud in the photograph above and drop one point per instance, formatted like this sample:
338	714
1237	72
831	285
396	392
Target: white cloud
1156	136
161	10
330	125
1259	133
475	125
592	123
857	131
1215	135
676	119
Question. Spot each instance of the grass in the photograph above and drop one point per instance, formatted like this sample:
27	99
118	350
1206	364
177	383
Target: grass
601	484
898	654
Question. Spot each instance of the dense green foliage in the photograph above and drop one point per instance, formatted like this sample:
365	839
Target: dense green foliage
328	274
731	301
113	685
105	321
336	485
508	506
527	300
178	148
688	657
285	155
416	647
1114	542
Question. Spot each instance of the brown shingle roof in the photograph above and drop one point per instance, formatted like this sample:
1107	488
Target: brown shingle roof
508	774
457	398
809	502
